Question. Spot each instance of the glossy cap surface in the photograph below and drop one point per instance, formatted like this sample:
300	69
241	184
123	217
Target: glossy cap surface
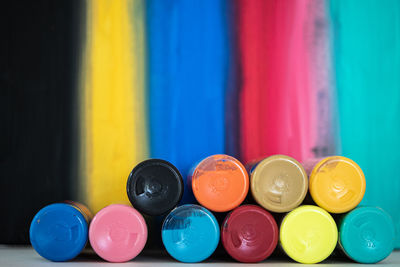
118	233
220	183
337	184
58	232
308	234
279	183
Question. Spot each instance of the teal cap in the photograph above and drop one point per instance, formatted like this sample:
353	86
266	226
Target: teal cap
367	234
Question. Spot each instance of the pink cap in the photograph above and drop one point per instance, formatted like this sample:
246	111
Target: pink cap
118	233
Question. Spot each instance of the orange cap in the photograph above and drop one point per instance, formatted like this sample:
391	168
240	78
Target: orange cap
337	184
220	183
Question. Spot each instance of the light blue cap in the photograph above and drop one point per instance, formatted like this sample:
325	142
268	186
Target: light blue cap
367	234
58	232
190	233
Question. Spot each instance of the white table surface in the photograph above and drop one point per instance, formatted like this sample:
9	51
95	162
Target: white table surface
26	256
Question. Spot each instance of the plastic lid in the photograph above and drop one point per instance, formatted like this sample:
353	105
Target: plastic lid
155	187
337	184
279	183
118	233
249	234
220	183
58	232
367	234
190	233
308	234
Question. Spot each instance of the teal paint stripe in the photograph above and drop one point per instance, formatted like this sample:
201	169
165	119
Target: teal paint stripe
367	64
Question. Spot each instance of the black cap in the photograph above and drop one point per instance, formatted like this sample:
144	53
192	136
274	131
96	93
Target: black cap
154	187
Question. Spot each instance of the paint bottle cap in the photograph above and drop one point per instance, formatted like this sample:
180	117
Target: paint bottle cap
190	233
337	184
367	234
279	183
118	233
249	234
220	183
58	232
308	234
154	187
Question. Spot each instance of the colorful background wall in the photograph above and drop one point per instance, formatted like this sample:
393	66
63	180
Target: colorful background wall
91	88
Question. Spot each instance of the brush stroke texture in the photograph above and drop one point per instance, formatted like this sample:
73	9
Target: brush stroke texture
278	94
114	122
187	73
319	37
367	63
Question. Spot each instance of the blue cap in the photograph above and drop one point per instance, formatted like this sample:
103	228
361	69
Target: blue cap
367	234
58	232
190	233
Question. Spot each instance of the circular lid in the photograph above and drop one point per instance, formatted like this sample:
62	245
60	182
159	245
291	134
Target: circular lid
249	234
308	234
279	183
155	187
118	233
367	234
190	233
220	183
337	184
58	232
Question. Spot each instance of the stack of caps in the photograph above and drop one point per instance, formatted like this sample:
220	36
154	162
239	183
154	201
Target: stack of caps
309	233
300	199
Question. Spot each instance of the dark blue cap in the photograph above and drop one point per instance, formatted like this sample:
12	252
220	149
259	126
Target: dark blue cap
59	232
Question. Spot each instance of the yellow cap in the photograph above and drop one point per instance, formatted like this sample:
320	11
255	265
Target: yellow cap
308	234
337	184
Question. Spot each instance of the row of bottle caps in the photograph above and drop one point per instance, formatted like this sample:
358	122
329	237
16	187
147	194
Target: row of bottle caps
249	233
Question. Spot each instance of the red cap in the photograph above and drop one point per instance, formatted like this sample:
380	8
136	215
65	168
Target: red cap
249	234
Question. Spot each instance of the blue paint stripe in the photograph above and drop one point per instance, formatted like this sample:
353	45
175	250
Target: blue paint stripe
187	77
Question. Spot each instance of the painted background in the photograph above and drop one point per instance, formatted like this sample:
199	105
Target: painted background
91	88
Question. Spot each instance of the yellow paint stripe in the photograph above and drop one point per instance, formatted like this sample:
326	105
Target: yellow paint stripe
113	134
